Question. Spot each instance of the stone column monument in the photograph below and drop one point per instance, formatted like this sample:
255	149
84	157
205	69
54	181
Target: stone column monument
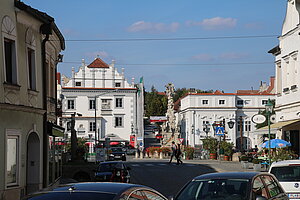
169	129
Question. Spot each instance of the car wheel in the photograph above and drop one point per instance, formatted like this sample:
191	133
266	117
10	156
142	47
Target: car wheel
124	159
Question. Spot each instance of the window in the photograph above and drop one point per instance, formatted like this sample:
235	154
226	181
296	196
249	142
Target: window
12	164
119	103
118	121
247	125
239	125
31	68
272	186
259	189
264	102
92	104
78	83
10	61
221	102
105	104
117	84
71	104
240	102
92	126
152	196
204	101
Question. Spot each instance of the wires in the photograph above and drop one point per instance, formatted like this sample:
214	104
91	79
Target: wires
170	39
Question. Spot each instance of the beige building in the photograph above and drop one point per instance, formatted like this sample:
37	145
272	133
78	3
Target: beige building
28	62
288	78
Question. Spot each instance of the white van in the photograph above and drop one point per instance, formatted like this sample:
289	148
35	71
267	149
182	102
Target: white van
288	174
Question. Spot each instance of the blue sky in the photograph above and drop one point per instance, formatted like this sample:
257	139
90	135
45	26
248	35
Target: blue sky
132	19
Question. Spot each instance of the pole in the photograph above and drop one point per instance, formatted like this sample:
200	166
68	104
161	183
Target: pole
73	138
95	120
269	135
241	132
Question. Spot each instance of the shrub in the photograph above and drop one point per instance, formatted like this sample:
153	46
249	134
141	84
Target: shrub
189	152
210	144
244	158
165	150
255	161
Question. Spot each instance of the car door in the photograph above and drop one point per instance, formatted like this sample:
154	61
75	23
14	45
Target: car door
273	188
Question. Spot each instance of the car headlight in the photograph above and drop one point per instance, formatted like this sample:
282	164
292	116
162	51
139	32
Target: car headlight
111	155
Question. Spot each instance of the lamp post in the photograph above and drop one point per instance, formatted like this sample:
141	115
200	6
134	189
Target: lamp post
193	133
206	129
269	108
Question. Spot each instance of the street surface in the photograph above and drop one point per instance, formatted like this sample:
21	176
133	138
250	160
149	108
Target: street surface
165	178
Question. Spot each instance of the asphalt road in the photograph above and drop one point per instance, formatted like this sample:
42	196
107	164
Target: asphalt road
165	178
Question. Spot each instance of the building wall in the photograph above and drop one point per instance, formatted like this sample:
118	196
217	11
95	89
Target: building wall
195	112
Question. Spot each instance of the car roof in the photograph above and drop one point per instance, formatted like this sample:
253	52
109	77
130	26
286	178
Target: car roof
285	163
227	175
105	187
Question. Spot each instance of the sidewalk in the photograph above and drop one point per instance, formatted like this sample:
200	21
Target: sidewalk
219	166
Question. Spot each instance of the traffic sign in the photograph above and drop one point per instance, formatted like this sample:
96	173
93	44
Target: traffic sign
220	131
181	140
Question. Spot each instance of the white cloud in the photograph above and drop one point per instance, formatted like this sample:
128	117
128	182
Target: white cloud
142	26
100	54
203	57
233	55
216	23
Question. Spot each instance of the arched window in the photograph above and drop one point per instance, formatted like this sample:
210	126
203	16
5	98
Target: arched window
9	43
30	52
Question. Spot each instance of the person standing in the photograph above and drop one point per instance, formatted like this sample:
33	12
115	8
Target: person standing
174	149
178	155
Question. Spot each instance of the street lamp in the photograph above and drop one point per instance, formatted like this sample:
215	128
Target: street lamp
230	124
206	129
269	109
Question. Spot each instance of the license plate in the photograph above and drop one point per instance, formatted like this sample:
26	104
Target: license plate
294	196
117	156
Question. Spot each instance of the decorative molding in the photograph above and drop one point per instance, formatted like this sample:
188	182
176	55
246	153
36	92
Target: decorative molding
8	26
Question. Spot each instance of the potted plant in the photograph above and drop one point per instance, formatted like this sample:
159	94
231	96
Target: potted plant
211	144
256	164
227	149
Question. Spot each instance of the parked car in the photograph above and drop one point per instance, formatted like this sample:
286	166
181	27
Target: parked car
288	174
233	186
117	153
96	191
112	171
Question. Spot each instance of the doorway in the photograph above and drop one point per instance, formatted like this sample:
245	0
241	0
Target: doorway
33	163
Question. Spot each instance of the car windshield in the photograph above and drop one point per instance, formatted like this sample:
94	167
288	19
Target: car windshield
230	189
72	196
287	173
117	149
108	167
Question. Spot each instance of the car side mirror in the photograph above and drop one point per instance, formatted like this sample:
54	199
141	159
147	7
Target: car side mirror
261	198
171	197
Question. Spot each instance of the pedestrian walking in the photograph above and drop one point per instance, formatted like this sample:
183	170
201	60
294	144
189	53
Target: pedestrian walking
174	149
178	155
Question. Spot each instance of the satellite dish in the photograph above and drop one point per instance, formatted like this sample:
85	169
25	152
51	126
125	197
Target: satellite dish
273	119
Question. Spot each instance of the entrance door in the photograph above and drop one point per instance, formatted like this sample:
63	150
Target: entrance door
33	163
294	140
246	143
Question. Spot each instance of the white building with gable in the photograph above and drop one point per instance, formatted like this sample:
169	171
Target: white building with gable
198	109
119	104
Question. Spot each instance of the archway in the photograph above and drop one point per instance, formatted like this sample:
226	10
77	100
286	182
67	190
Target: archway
33	163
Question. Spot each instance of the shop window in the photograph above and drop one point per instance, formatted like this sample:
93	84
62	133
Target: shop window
12	162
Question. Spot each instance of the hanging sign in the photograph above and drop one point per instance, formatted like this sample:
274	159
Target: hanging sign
258	119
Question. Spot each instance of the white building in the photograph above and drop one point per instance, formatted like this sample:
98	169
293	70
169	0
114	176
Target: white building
119	104
198	109
288	78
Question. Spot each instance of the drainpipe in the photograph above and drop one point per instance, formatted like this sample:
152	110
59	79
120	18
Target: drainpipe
45	29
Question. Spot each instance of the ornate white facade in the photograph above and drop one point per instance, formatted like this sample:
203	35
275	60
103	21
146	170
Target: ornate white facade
119	104
288	78
198	109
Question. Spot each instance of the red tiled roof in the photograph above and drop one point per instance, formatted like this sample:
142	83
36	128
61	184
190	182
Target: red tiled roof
98	63
247	91
161	93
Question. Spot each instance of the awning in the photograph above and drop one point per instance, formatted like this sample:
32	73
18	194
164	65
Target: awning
276	126
279	125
